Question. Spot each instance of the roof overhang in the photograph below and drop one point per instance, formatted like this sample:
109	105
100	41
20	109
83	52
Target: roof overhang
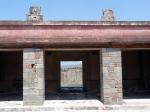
75	34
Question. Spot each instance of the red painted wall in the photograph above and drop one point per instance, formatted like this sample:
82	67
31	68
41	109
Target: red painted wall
74	35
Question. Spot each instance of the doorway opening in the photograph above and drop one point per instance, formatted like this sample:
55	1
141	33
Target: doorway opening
11	75
71	76
136	74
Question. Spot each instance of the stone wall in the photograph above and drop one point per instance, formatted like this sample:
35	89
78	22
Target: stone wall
71	77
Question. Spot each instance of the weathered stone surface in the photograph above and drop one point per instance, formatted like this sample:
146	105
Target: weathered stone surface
34	14
111	76
107	15
54	106
74	34
33	77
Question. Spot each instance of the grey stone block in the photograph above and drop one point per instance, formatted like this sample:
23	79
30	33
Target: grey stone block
111	79
33	77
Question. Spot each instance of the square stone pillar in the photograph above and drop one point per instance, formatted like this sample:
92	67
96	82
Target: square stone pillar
111	76
33	77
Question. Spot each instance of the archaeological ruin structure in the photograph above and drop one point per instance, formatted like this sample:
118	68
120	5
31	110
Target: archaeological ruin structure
115	58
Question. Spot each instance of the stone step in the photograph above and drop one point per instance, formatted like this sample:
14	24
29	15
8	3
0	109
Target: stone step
51	109
53	105
128	107
57	107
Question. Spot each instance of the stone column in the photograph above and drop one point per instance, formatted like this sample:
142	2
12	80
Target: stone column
111	76
33	77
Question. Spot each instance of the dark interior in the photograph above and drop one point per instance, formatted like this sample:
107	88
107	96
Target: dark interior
11	75
136	74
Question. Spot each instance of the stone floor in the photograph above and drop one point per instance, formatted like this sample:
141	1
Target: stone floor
138	94
53	105
134	105
74	102
71	96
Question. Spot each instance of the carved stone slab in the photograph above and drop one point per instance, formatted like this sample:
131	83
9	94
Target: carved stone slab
34	14
107	15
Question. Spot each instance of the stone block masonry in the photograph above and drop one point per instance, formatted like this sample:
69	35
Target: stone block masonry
35	14
108	15
33	77
111	76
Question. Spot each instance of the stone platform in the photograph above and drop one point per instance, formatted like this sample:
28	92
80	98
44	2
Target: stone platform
77	106
52	106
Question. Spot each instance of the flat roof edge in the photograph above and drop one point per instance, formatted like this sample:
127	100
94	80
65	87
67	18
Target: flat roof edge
86	23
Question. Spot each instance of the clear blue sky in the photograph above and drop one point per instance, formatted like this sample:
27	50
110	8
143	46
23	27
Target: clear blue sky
136	10
67	64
